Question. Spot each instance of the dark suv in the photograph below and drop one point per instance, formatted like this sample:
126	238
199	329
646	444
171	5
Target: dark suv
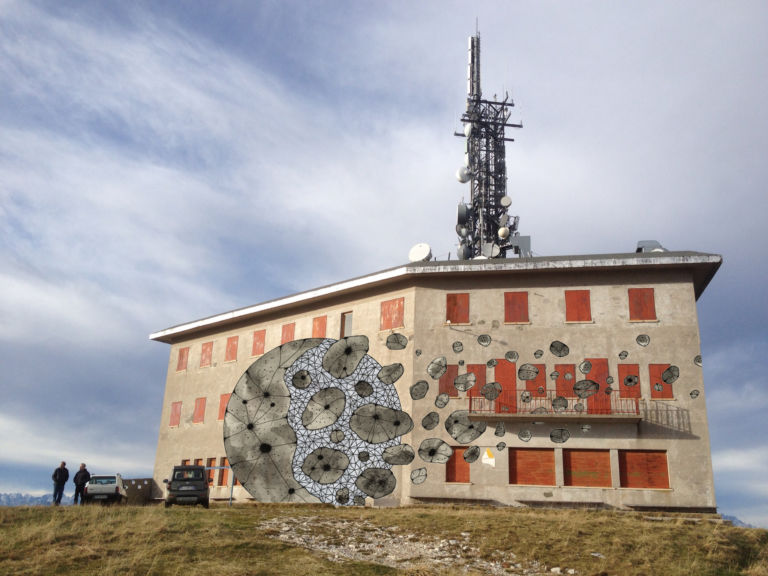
188	485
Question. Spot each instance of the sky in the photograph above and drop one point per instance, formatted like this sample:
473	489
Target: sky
165	161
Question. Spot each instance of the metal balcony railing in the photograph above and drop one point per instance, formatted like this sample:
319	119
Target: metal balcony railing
550	403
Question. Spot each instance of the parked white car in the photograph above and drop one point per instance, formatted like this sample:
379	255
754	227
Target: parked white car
106	488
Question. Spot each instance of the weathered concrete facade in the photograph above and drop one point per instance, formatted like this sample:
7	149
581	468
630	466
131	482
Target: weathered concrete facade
600	395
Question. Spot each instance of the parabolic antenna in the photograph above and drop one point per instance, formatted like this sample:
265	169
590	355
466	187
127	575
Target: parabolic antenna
506	201
420	253
490	249
463	175
462	214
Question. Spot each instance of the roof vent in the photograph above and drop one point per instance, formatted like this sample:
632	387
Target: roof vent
649	246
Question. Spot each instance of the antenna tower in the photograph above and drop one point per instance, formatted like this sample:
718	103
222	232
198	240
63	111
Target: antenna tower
484	227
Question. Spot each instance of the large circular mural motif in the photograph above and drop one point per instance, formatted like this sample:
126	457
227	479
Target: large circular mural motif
302	414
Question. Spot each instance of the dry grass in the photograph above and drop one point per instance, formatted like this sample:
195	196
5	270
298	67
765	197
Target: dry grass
192	541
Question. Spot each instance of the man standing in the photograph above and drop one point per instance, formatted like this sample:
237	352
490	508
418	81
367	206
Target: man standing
60	477
81	479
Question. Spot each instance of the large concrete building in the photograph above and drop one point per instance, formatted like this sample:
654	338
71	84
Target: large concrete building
559	380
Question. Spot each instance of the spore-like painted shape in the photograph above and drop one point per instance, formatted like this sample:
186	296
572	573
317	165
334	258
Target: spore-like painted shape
560	404
462	429
585	367
419	390
391	374
501	446
398	455
527	372
464	382
471	454
631	380
500	430
437	367
643	340
694	394
484	340
554	375
396	342
342	495
671	375
623	355
325	465
324	408
578	407
344	355
458	347
559	349
525	396
363	389
491	391
525	435
492	362
302	379
585	388
376	482
697	360
430	421
419	475
442	400
559	435
538	354
435	451
511	356
337	436
375	423
586	428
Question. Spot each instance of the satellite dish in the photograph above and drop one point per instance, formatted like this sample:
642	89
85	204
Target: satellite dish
503	232
420	253
463	175
490	249
463	252
506	201
462	214
461	231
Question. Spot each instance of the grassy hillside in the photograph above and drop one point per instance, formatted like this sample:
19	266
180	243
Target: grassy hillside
308	540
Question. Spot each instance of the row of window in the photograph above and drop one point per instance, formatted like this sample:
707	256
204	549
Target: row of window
198	413
222	478
391	317
627	385
581	468
578	308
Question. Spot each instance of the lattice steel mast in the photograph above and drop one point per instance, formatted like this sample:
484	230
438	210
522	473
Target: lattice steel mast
484	226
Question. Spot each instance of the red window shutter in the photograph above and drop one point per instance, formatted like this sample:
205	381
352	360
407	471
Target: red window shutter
577	307
198	461
318	326
445	384
643	469
457	308
259	338
506	375
175	414
659	389
181	363
210	463
566	378
185	462
587	468
198	417
642	305
231	352
631	371
600	402
223	401
479	371
288	332
532	466
516	307
392	314
538	386
223	473
206	354
457	469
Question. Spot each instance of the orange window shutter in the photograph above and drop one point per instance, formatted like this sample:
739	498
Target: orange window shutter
181	363
590	468
206	354
231	352
445	384
259	338
392	314
198	461
566	378
318	326
479	371
532	466
175	414
185	462
457	308
600	402
659	389
223	401
457	469
642	305
210	463
506	375
198	417
516	307
288	332
577	306
223	473
643	469
629	381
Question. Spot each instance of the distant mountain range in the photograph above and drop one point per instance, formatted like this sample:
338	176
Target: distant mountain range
19	499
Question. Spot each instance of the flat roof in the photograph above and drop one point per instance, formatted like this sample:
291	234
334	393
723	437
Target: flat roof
703	267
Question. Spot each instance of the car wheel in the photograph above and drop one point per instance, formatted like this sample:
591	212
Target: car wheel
167	504
205	504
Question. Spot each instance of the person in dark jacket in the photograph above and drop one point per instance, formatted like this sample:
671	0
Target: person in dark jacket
81	479
60	477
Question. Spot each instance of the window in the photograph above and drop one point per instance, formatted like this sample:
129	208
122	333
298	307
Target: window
479	371
346	325
629	381
516	307
566	378
457	469
643	469
660	390
259	337
642	306
223	473
457	308
506	375
199	414
198	461
590	468
318	326
445	384
175	414
538	386
206	355
231	353
532	466
185	462
181	363
210	463
577	308
223	401
392	314
289	330
600	402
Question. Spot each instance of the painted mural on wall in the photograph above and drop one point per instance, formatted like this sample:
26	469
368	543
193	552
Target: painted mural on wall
320	419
